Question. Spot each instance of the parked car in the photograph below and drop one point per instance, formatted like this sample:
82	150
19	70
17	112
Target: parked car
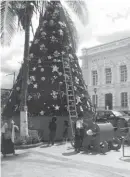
117	118
127	112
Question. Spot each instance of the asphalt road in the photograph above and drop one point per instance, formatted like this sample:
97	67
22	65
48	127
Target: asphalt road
34	163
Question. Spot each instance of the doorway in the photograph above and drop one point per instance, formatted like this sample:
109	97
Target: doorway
108	101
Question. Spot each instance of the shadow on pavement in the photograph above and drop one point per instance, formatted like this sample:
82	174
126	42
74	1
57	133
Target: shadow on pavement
126	159
69	153
13	157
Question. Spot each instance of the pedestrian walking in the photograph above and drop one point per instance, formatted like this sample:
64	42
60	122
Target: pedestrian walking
7	138
52	131
65	131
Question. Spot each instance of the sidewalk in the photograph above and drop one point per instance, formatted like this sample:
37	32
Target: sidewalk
111	159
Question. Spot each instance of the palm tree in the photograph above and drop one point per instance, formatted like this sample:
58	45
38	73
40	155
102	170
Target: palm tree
24	11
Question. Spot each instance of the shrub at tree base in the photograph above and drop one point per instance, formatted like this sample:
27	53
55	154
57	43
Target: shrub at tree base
33	138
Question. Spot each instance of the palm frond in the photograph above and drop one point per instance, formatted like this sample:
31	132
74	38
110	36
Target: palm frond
8	22
80	10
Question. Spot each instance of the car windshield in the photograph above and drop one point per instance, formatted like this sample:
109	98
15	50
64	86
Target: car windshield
118	113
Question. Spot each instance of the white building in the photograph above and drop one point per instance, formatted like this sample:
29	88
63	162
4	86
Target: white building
106	70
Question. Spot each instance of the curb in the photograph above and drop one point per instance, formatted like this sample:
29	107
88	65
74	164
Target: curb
28	146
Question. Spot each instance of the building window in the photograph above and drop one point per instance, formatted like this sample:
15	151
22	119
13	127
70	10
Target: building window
124	100
123	73
108	75
94	77
95	100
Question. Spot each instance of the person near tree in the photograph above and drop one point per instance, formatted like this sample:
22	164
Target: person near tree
52	131
79	134
8	137
65	130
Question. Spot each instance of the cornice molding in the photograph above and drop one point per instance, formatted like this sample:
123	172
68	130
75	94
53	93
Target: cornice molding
106	47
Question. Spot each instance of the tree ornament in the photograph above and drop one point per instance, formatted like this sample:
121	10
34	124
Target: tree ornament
35	86
34	68
81	109
57	107
76	65
53	32
53	39
32	78
56	54
55	68
54	94
36	41
76	80
9	100
15	108
17	88
44	23
63	53
78	100
60	73
29	98
71	56
31	55
73	70
49	57
75	88
42	46
42	69
61	32
42	113
42	78
43	34
51	23
39	61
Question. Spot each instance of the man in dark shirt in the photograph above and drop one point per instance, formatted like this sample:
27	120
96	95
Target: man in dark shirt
52	129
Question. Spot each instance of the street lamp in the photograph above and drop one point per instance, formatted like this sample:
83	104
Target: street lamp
13	76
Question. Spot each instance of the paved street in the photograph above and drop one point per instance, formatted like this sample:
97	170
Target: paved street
61	161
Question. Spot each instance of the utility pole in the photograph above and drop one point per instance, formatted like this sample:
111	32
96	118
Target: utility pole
25	70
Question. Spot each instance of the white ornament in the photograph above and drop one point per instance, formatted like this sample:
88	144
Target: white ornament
76	80
63	52
42	113
29	97
16	107
81	109
61	32
60	73
53	39
71	56
88	104
36	41
17	88
49	57
75	88
43	34
56	54
9	100
32	78
42	78
76	65
54	94
57	107
44	23
55	68
73	70
39	61
34	68
31	55
42	69
35	86
42	46
78	100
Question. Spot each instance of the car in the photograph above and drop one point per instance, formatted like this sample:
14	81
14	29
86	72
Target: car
127	112
117	118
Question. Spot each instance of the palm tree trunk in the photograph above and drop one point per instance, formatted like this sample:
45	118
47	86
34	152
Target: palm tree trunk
25	70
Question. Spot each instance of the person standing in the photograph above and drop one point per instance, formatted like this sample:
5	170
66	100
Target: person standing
8	135
79	134
52	131
65	130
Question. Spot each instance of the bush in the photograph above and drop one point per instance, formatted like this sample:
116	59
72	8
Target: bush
27	140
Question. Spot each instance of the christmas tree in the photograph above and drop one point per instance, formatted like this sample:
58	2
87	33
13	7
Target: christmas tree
46	83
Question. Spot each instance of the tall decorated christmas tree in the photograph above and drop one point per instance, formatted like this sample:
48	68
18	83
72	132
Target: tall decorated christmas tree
47	94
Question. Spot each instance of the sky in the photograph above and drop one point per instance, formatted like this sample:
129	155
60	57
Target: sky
108	20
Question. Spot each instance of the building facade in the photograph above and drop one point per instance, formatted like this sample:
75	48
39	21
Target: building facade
106	71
